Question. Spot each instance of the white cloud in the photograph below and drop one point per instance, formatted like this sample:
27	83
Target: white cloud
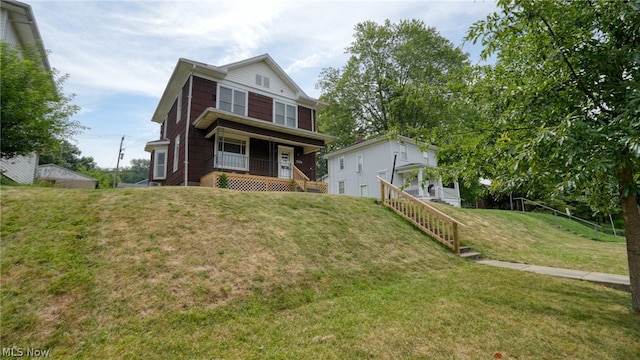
115	50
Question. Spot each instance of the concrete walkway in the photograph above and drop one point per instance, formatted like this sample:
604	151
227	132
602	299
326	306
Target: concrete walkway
620	282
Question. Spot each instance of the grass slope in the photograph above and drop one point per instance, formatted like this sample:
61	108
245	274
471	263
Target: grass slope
203	273
530	238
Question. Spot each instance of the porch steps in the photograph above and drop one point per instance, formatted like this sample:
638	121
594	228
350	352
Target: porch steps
467	252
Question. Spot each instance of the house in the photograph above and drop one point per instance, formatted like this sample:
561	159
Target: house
247	119
18	27
65	178
353	170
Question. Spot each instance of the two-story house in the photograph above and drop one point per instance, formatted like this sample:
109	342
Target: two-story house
247	118
353	170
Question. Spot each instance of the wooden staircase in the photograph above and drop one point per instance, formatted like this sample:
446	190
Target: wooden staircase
432	221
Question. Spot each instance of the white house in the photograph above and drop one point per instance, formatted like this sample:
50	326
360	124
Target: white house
353	170
18	27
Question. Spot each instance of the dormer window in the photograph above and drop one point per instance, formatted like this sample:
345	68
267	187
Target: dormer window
262	80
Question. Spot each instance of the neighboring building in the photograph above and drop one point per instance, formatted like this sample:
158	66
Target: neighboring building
18	27
62	177
247	118
353	170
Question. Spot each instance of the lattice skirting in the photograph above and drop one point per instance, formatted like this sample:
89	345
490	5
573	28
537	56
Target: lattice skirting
243	182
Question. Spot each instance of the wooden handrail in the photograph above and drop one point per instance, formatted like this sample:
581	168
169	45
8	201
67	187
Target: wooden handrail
432	221
300	178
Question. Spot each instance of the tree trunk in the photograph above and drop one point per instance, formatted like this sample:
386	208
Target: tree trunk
632	234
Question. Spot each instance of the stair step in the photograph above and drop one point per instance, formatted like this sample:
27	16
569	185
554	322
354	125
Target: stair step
465	249
471	255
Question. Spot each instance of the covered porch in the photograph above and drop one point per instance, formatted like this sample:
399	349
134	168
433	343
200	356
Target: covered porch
257	155
416	184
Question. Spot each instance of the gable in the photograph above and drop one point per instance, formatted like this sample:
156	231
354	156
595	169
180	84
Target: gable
246	75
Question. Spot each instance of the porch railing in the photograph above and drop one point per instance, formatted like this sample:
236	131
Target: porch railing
432	221
243	163
300	179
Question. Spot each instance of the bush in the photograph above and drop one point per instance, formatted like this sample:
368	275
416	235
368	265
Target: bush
223	181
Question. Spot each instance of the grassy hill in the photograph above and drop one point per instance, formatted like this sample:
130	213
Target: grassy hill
534	238
159	273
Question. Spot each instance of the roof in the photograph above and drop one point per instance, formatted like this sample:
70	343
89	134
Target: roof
52	171
24	22
370	142
185	67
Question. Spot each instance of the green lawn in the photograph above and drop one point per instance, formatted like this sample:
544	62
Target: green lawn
199	273
532	239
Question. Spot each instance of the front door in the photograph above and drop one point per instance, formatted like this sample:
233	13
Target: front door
285	162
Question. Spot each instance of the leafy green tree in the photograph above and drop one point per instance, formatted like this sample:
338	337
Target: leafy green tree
35	112
138	171
561	106
396	80
68	156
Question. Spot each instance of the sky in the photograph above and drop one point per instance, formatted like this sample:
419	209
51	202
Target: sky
119	55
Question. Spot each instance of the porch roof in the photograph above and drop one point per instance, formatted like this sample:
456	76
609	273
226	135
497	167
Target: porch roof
211	114
410	167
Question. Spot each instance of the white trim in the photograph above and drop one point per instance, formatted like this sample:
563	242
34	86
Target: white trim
156	174
344	187
234	90
176	153
364	186
285	149
286	104
218	152
179	107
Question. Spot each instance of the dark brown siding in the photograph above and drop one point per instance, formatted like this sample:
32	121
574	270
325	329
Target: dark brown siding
306	163
305	120
260	107
173	130
200	149
203	96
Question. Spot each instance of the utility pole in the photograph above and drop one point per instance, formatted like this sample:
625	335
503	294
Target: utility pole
120	156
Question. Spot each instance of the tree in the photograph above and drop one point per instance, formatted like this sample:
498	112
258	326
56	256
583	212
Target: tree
562	106
395	80
68	156
35	113
138	171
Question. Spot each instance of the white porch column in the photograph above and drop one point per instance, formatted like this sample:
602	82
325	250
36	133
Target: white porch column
420	184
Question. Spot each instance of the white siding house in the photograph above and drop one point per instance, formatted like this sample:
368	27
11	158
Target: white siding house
353	170
18	27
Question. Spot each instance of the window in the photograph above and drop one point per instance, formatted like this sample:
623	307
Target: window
425	156
403	152
341	187
341	162
364	191
231	100
160	164
262	80
382	174
179	107
285	114
360	163
176	153
232	154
